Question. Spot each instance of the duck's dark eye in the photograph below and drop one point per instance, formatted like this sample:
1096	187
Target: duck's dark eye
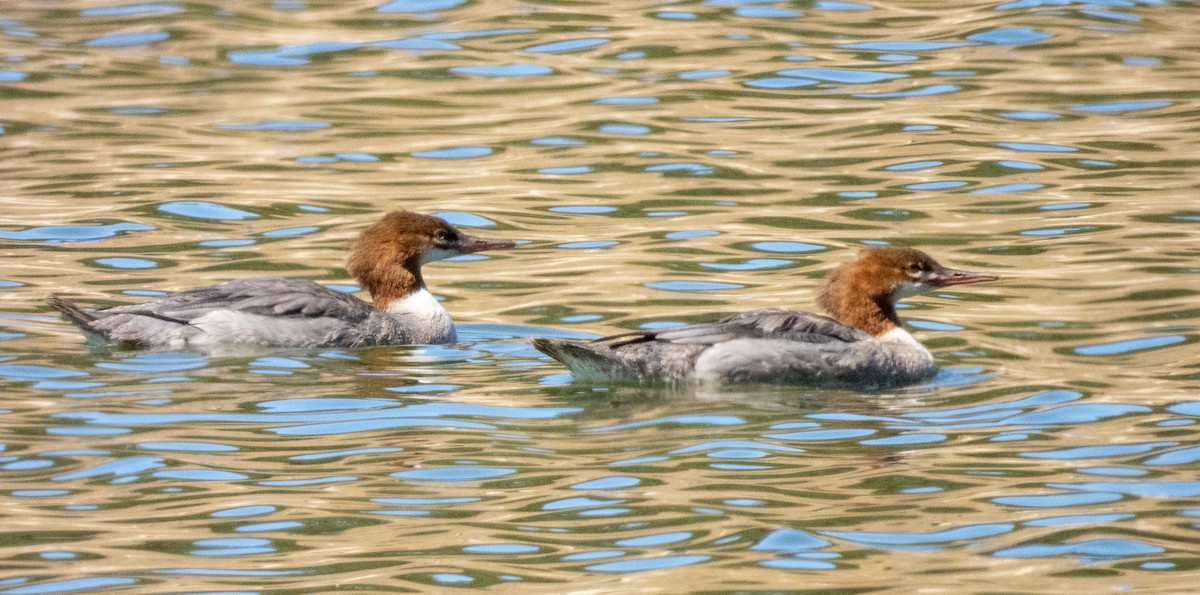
914	268
444	238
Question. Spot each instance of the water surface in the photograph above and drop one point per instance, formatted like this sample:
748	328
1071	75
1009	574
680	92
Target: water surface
667	162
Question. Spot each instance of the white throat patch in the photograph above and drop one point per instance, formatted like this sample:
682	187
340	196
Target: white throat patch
427	320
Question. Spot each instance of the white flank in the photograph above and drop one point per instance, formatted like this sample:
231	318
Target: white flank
231	326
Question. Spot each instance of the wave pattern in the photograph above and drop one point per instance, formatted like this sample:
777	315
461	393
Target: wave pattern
667	162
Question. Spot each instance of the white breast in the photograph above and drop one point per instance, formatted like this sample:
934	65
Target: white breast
421	313
900	335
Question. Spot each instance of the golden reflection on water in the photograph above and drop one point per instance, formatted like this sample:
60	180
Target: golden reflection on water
667	168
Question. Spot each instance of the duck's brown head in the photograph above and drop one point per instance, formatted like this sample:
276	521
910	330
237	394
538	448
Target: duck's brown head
863	292
387	257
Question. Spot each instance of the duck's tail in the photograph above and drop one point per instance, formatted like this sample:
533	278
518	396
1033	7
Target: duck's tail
586	364
80	317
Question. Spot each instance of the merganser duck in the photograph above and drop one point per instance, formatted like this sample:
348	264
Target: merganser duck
862	346
386	260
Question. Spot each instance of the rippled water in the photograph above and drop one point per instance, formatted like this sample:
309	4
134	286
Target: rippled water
666	162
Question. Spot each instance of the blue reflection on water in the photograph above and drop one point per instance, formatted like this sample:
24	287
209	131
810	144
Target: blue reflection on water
834	75
702	74
1104	450
790	247
1147	489
923	538
1119	106
205	210
1179	457
821	435
1011	36
914	165
418	5
78	584
583	209
127	263
557	141
322	422
1036	147
607	483
621	128
691	286
780	83
504	71
188	446
454	474
705	420
1079	519
501	548
790	540
309	481
241	511
1023	165
36	373
130	10
579	502
119	468
1027	187
1075	414
269	527
454	153
676	15
1056	500
570	45
942	185
905	440
1030	115
158	362
904	46
1120	347
317	456
735	444
1107	548
232	546
200	475
566	170
73	233
128	40
653	540
277	125
751	264
646	564
594	555
1065	206
921	92
698	169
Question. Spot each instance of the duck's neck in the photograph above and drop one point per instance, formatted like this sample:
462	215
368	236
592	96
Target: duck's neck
389	284
400	293
421	317
871	314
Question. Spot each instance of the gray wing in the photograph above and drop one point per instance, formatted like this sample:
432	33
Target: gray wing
277	298
787	325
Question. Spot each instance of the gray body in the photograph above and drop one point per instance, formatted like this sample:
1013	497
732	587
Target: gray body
761	346
274	312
